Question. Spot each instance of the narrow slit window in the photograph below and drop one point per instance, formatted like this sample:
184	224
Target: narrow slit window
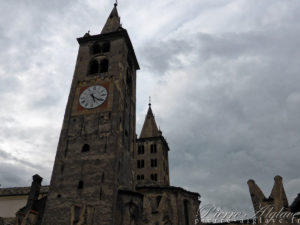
80	185
85	148
77	211
158	198
62	167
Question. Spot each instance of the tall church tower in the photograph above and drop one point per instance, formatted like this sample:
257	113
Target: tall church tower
97	140
151	164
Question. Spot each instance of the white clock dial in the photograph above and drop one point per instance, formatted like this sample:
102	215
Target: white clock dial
93	97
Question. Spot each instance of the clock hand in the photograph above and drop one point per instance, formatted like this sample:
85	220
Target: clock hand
99	99
92	95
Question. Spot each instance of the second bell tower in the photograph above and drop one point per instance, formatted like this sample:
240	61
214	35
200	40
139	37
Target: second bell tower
97	140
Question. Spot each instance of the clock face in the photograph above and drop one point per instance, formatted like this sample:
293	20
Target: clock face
93	96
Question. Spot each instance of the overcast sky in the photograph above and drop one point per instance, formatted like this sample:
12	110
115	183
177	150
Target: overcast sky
223	75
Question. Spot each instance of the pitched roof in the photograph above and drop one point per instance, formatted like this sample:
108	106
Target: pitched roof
113	22
14	191
149	128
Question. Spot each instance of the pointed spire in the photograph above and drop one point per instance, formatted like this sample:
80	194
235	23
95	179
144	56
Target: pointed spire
278	193
257	196
113	21
149	128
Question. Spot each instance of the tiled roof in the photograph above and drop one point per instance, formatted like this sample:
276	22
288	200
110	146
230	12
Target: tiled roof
15	191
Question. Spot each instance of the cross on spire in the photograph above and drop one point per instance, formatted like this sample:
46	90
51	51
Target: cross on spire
149	101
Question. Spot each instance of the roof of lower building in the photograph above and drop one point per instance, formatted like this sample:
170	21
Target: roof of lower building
17	191
295	206
164	187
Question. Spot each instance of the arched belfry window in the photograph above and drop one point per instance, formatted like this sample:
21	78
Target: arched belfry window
105	47
103	65
96	49
94	67
101	47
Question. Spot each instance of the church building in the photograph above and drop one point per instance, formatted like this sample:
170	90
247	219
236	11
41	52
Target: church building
103	174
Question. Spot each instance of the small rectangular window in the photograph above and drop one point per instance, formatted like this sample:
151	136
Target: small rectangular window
153	177
141	149
80	185
140	177
153	148
153	162
140	164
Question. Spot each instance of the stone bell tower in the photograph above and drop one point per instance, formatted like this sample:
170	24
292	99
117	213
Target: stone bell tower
151	163
97	140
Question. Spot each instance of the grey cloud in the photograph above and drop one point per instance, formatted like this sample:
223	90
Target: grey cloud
236	121
163	55
13	175
7	156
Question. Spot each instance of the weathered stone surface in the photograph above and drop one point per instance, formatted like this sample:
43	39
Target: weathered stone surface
15	191
149	128
7	221
169	205
151	163
93	157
